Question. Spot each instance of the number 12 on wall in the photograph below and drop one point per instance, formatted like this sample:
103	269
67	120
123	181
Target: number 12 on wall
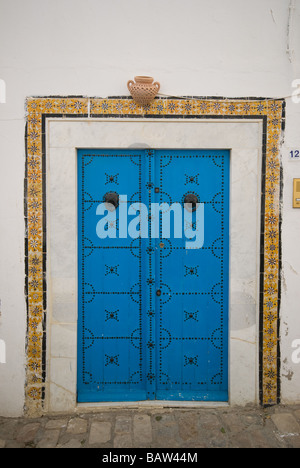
294	154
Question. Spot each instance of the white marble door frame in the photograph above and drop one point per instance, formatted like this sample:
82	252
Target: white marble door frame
63	137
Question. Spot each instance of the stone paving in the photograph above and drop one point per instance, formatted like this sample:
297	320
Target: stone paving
157	428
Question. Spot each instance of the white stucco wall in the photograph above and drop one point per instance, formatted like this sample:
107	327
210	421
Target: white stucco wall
227	48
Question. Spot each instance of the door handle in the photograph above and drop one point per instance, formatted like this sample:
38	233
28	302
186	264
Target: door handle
158	292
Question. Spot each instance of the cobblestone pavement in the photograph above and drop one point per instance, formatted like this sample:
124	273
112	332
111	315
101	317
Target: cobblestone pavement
157	428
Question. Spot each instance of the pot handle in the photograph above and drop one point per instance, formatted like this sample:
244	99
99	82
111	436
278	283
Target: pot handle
129	84
157	85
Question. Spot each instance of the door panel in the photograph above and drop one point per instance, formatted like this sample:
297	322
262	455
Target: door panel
193	323
153	315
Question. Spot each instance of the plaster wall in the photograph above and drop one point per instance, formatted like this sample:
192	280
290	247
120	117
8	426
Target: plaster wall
226	48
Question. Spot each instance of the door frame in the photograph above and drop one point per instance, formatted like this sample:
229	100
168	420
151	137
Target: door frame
43	370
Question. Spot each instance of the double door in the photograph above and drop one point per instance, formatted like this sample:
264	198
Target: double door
153	261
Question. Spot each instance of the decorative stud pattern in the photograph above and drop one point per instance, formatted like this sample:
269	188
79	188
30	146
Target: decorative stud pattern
109	360
112	315
191	271
191	179
112	270
270	112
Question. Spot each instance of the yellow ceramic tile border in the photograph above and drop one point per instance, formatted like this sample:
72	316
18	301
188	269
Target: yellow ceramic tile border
270	111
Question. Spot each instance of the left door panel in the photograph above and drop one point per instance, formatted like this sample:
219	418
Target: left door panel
111	360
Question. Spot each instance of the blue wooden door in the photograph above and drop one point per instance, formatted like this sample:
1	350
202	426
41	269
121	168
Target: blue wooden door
152	309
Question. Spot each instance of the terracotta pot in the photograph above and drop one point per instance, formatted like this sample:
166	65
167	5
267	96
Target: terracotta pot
143	90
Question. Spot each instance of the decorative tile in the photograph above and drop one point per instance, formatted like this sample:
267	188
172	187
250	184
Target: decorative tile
38	109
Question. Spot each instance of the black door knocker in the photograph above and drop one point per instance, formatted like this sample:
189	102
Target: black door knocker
190	201
111	200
